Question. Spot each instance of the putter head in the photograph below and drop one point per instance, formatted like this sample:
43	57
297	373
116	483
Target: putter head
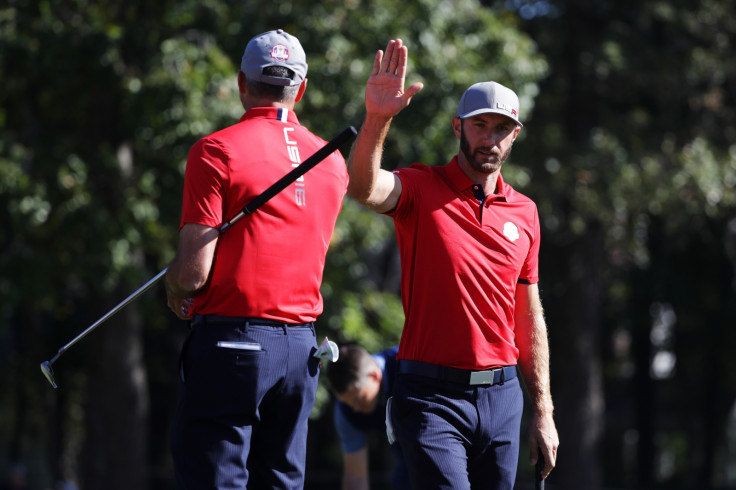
328	351
49	373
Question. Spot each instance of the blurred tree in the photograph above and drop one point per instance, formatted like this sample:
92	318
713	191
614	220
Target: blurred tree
636	179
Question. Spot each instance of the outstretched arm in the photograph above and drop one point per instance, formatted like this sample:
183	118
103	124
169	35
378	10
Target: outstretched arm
531	339
385	97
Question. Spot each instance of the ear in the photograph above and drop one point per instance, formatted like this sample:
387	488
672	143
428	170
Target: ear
376	374
517	131
302	89
457	126
241	83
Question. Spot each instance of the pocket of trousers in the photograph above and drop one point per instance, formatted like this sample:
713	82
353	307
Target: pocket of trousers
239	345
389	426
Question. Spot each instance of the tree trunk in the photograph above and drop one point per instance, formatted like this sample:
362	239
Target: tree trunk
576	367
116	450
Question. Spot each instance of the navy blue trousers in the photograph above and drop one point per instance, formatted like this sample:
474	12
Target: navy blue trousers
243	413
455	436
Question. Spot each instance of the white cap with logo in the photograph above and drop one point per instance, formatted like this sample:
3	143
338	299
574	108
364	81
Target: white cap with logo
489	97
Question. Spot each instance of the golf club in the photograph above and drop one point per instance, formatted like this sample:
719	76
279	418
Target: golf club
538	469
330	147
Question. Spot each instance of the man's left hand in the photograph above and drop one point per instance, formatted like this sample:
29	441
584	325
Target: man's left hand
543	438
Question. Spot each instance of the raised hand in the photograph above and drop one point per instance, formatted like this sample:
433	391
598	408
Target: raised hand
384	92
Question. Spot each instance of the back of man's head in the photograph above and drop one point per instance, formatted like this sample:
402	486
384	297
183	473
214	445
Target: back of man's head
277	93
352	364
275	65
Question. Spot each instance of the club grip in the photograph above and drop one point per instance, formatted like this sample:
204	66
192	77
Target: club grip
538	470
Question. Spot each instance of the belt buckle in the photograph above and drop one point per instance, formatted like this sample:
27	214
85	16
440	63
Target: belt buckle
481	377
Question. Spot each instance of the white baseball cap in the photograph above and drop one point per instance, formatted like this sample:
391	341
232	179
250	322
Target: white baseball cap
274	48
489	97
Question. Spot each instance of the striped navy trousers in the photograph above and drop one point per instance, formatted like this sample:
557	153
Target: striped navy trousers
455	436
248	389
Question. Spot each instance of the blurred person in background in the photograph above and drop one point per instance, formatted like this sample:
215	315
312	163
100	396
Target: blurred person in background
362	383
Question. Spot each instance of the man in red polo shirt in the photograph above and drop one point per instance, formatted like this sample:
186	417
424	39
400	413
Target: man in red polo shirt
249	377
469	249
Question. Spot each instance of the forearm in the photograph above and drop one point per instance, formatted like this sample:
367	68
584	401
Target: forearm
173	283
355	472
364	162
351	482
531	331
531	339
189	271
534	365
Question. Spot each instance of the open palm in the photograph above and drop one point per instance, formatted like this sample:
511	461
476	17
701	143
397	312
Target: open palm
384	92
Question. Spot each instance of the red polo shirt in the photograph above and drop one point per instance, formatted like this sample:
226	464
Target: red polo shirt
270	263
460	267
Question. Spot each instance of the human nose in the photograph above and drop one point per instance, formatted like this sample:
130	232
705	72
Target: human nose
490	138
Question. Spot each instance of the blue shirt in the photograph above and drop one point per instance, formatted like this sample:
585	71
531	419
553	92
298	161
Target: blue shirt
352	426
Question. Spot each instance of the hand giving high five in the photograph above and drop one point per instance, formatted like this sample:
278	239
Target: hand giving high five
384	92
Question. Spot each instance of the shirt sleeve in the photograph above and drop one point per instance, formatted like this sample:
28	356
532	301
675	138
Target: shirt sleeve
530	269
409	191
206	181
351	438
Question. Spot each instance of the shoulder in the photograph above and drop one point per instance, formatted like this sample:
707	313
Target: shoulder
420	176
209	150
514	196
219	139
417	170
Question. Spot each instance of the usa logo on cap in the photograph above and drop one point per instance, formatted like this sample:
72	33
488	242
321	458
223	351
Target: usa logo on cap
280	52
505	107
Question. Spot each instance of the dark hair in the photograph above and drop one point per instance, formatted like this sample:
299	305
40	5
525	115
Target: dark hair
351	364
278	93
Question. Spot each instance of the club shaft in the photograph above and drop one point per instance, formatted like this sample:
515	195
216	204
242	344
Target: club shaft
110	313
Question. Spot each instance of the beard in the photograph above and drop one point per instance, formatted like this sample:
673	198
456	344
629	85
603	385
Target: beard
482	159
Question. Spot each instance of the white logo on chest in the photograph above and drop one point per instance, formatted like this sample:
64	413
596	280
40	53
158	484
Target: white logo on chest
510	231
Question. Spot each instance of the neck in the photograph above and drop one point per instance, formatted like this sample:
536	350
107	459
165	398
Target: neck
251	102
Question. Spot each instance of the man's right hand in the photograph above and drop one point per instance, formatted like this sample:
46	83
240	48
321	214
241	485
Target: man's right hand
181	307
384	92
